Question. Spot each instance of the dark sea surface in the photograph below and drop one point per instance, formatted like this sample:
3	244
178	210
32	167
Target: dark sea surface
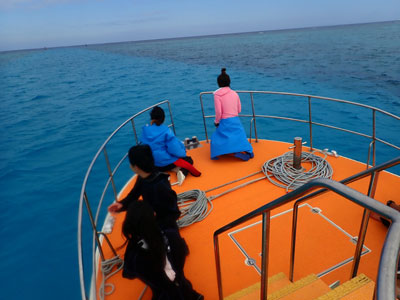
57	106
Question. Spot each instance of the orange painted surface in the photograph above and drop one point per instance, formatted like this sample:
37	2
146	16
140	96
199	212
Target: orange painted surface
364	292
320	245
310	291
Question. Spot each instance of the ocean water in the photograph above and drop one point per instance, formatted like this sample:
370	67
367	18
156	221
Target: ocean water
57	106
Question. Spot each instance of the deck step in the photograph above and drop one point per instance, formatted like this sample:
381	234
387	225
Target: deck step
310	287
252	292
307	288
358	288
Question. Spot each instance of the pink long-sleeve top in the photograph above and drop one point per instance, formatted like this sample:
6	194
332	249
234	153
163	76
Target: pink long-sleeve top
227	104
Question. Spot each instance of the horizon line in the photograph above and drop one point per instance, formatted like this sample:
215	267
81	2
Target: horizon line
197	36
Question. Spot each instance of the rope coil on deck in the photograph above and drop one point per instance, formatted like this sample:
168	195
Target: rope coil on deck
281	168
106	269
193	205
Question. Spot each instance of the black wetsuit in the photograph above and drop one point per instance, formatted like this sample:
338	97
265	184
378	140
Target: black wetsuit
156	191
139	264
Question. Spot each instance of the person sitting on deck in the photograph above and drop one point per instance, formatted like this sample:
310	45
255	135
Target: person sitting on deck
153	186
229	137
155	256
169	152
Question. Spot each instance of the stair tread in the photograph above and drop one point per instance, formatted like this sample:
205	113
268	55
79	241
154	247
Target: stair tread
350	289
365	292
309	287
275	283
306	288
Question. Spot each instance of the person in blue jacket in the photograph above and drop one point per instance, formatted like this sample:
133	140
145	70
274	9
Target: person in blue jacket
168	151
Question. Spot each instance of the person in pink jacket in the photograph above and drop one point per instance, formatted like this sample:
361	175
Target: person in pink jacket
229	137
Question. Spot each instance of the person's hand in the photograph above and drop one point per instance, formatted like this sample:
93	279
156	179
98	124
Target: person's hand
114	208
216	124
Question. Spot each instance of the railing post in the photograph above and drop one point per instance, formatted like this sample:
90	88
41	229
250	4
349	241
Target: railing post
266	220
218	267
363	227
204	118
369	153
134	131
254	117
373	136
293	243
170	114
251	122
111	174
310	122
96	235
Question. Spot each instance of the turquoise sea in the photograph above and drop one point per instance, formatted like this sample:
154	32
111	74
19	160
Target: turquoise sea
57	106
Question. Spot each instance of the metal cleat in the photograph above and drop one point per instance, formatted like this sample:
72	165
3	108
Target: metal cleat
192	143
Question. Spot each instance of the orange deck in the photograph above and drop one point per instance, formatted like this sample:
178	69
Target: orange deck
323	240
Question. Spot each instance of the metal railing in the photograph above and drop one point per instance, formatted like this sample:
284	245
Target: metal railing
309	120
387	269
112	170
98	235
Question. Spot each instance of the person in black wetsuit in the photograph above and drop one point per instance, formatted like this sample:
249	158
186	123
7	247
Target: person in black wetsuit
155	256
147	220
153	186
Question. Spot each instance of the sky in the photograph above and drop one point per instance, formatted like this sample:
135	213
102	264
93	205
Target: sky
27	24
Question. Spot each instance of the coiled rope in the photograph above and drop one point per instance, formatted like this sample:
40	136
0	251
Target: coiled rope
106	268
281	168
194	206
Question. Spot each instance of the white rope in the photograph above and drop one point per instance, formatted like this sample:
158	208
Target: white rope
106	268
193	205
286	176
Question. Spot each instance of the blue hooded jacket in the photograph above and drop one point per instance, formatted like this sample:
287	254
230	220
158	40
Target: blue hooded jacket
166	147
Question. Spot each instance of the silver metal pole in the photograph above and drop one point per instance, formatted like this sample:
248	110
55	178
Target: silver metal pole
265	254
134	131
218	267
110	173
310	123
204	118
363	227
96	235
293	243
373	136
170	114
254	117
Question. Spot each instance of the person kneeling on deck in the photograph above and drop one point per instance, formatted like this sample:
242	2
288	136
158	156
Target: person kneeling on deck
229	137
169	152
155	256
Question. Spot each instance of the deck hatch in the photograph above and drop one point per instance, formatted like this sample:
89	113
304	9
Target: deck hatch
334	247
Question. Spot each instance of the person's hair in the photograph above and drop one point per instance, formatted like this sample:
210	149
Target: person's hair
140	223
223	79
157	115
142	157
